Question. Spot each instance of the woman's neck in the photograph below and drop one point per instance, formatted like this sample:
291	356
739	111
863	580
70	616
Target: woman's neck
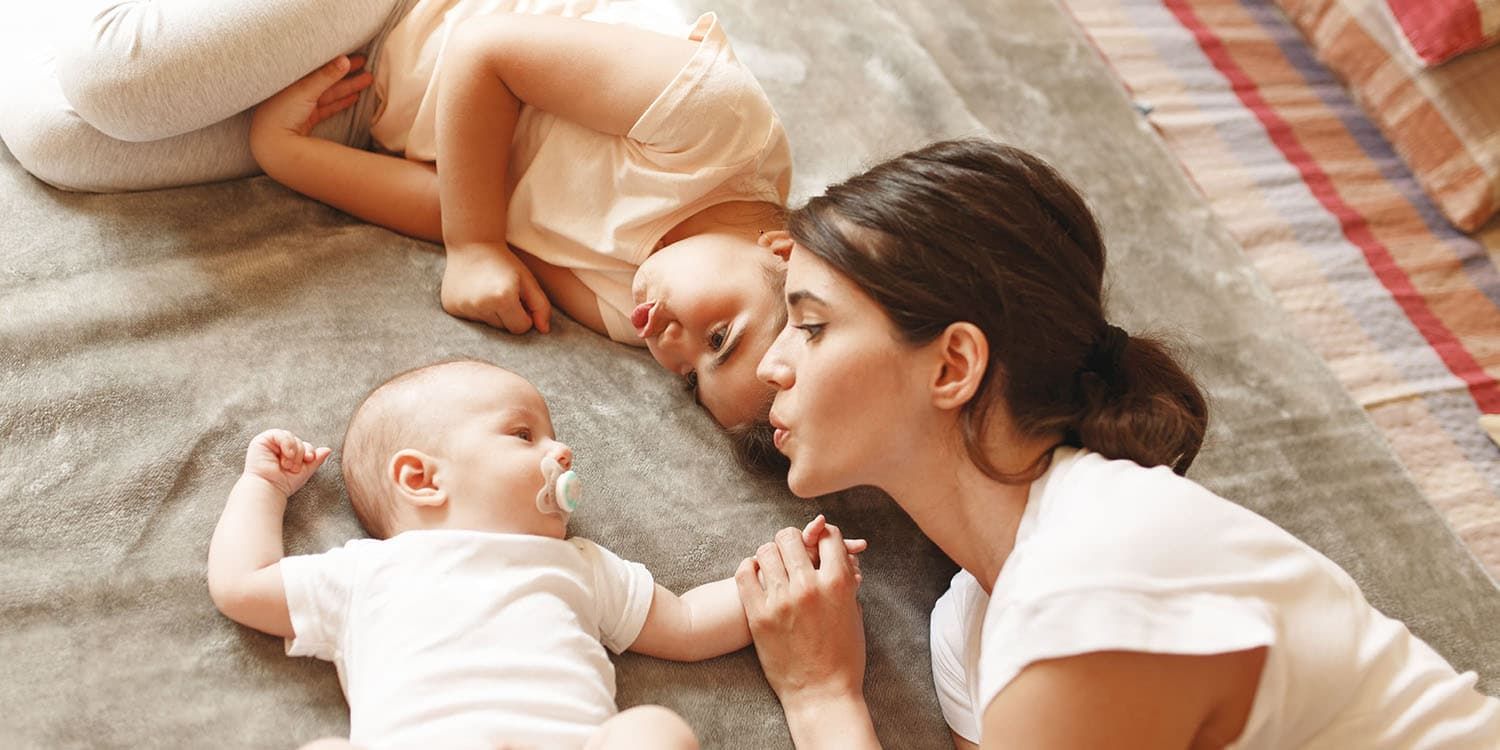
968	515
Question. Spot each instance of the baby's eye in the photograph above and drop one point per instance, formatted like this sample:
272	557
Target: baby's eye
716	339
691	381
523	434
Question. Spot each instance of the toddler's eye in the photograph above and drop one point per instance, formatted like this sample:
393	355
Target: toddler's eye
690	381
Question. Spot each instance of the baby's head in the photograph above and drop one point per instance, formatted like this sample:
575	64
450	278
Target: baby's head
455	445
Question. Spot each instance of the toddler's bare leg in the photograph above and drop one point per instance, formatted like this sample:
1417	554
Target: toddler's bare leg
644	728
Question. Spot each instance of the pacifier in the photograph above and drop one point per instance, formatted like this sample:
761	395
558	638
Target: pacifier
562	489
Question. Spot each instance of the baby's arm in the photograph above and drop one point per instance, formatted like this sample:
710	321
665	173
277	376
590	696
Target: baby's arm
244	572
398	194
703	623
709	621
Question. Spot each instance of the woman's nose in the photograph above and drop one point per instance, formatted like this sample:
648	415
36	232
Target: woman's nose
774	370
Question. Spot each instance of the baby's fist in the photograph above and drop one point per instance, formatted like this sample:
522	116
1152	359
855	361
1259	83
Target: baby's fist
283	459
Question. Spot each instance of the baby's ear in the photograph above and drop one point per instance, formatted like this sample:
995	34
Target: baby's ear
778	241
415	476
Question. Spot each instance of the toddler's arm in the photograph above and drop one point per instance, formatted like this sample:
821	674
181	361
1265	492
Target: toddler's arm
395	193
601	76
244	573
709	620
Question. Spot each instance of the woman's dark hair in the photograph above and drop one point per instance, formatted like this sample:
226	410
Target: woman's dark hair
972	230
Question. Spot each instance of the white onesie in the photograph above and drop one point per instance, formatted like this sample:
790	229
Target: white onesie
1112	556
466	638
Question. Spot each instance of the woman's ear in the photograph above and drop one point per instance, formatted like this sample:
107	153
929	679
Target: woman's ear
778	241
415	476
963	356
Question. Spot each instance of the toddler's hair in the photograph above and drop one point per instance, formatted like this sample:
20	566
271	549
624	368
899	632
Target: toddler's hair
387	420
753	445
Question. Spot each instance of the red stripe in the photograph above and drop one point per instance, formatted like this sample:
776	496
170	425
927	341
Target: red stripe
1460	362
1440	29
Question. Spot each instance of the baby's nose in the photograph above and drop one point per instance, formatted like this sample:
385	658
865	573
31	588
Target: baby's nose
564	457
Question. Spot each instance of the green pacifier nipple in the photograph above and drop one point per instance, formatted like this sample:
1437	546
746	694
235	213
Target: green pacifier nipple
569	491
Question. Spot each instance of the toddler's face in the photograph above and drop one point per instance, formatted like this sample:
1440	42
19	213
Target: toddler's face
494	442
713	313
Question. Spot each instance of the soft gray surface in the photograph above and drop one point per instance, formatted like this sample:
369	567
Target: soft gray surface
145	338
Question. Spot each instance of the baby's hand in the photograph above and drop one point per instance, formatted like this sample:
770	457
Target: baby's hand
283	459
816	529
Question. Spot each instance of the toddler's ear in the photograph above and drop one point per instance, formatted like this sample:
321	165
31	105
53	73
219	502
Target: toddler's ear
778	241
415	476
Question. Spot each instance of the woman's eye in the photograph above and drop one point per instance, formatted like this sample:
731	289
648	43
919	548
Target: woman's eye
691	382
716	339
811	329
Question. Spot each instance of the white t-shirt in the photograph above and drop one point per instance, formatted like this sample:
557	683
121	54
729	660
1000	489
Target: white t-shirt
465	638
1112	556
593	203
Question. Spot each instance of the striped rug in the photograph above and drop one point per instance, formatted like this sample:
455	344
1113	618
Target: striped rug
1404	308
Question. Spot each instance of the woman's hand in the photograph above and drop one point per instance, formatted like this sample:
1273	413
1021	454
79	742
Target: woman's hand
489	284
298	108
804	618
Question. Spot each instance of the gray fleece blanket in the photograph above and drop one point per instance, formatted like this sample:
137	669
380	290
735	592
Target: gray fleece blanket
145	338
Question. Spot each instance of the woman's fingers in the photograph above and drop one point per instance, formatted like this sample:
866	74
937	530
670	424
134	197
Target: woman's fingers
835	559
772	570
799	565
752	593
813	530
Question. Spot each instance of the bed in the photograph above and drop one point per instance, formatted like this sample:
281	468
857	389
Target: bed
144	338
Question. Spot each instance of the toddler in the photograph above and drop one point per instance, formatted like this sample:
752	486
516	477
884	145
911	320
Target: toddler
470	618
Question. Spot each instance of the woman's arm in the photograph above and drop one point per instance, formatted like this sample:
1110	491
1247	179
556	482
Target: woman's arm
810	637
1129	700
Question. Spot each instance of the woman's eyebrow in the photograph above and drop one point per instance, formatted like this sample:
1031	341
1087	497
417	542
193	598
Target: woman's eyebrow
802	295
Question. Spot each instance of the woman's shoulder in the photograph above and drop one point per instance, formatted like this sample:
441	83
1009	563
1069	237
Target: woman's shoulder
1113	523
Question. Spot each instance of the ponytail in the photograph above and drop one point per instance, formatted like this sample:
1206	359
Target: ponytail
1147	410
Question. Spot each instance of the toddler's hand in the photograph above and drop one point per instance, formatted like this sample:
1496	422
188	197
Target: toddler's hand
490	285
818	528
283	459
314	98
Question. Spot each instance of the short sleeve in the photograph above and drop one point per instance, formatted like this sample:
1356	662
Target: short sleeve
713	114
950	665
318	593
1089	621
622	594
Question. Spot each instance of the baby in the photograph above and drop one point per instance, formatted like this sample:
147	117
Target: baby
470	619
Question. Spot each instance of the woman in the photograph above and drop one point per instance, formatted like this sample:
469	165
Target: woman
595	157
1104	600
